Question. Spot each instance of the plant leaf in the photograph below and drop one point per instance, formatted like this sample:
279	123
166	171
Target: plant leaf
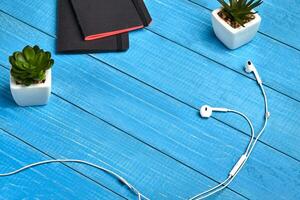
29	53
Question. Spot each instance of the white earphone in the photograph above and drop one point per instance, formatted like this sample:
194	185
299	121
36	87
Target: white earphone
207	111
249	67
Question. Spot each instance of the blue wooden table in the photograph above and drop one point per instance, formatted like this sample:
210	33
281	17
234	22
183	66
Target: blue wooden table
136	112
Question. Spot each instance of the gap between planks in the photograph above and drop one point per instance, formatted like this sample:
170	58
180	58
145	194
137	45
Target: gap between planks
260	32
165	93
178	44
128	134
51	157
121	71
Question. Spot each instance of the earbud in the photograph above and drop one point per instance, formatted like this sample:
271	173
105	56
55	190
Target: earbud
249	67
206	111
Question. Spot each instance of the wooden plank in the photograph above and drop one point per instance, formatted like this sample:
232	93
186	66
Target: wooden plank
280	19
54	181
64	131
185	75
196	81
189	25
156	119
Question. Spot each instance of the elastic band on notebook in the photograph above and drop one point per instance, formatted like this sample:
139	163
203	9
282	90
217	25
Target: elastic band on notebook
119	42
102	35
142	11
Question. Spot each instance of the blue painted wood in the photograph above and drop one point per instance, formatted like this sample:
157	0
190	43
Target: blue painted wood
280	19
189	25
54	181
113	99
123	119
196	80
192	75
64	131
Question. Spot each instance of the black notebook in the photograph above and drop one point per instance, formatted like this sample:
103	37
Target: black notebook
103	18
70	39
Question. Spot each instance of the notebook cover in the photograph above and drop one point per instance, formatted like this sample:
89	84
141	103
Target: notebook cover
103	18
70	39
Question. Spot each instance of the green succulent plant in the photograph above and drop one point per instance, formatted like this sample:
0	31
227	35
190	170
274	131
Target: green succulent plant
30	66
240	11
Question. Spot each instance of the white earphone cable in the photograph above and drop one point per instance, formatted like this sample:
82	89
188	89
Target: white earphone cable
251	126
221	185
234	172
248	152
267	114
121	179
210	191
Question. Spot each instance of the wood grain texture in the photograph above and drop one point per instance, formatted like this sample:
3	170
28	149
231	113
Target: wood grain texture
64	131
280	19
186	75
179	131
54	181
189	25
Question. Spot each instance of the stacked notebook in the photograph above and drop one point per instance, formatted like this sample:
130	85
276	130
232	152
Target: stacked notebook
98	25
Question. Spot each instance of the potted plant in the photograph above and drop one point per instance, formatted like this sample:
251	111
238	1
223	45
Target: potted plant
30	76
236	23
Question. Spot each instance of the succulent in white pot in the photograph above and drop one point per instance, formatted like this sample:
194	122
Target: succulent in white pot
236	22
30	76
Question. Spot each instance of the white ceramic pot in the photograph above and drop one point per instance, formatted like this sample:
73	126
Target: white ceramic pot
33	95
234	37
